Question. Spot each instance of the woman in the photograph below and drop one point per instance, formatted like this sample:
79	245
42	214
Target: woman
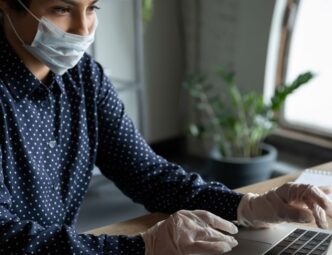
60	115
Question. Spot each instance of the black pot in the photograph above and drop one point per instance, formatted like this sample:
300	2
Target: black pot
238	172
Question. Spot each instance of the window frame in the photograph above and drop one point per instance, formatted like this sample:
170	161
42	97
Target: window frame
301	132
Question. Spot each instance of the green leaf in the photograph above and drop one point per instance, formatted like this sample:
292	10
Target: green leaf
195	130
195	93
282	92
147	10
236	97
228	77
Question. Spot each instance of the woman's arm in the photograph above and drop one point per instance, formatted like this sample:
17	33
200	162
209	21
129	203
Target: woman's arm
124	157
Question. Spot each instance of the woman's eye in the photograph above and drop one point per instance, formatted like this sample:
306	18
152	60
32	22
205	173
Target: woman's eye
61	10
93	8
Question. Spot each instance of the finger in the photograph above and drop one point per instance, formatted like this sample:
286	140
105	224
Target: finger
297	214
216	236
206	247
307	194
317	196
320	216
326	189
216	222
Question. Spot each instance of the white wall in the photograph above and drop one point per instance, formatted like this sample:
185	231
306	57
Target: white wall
234	34
251	45
164	71
115	49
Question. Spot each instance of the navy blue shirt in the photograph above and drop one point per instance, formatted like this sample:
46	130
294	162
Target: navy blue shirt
50	139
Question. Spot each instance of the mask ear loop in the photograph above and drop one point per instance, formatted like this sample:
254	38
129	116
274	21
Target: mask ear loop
14	29
28	10
12	25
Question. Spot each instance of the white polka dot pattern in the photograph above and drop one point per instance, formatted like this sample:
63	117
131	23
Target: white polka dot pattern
51	137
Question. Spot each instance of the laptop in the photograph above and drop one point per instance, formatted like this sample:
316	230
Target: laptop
283	239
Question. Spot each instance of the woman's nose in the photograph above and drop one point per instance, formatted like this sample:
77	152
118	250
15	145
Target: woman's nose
82	26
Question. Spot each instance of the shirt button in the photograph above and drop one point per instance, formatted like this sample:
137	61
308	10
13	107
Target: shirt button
52	144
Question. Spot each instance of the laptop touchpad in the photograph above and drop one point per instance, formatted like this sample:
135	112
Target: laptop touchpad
269	235
246	247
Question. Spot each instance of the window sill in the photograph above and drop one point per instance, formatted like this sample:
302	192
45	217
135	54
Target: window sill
300	149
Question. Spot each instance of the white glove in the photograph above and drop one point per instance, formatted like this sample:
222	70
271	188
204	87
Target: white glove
190	232
290	202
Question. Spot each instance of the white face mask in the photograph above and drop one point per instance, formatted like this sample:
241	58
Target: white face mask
55	48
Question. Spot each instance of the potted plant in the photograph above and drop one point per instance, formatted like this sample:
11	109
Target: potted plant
237	124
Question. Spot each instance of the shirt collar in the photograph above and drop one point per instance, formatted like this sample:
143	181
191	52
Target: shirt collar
16	76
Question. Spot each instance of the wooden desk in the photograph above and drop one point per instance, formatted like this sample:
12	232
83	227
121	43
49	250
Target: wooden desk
134	226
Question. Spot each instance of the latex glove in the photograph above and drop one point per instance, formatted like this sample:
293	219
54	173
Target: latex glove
190	232
290	202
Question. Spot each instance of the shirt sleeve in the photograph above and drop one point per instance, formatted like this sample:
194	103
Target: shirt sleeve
124	157
28	237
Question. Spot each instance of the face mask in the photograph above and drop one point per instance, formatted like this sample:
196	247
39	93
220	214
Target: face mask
55	48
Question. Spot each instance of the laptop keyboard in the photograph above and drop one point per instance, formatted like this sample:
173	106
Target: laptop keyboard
302	242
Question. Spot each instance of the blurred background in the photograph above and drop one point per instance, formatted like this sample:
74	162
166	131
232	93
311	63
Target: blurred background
265	42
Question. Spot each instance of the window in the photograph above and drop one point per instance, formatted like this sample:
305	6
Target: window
307	45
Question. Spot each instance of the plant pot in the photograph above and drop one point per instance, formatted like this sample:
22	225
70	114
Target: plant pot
238	172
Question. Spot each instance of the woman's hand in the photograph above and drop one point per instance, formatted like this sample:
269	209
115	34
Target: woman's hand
190	232
291	202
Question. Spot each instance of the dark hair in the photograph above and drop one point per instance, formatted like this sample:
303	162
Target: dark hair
15	5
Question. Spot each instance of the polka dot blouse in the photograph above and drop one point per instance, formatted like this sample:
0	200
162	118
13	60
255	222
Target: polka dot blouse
51	138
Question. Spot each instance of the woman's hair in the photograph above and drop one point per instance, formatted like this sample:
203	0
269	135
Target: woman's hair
15	5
